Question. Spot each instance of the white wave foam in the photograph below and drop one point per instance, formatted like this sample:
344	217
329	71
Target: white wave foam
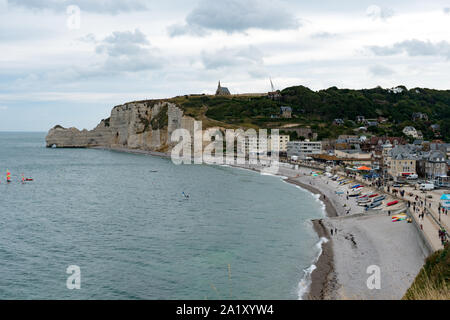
305	282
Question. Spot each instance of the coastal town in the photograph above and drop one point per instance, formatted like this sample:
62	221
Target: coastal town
383	194
366	179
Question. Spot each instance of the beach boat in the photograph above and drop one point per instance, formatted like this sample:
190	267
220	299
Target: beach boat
363	202
363	195
359	187
393	203
374	205
380	198
373	195
355	193
355	186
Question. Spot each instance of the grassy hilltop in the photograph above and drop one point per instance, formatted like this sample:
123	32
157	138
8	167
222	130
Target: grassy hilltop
318	109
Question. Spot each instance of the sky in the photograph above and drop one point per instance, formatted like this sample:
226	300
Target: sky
69	62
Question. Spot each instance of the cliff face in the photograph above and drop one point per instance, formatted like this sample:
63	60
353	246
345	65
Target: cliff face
137	125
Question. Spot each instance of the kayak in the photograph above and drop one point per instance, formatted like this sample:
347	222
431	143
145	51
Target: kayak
373	195
390	204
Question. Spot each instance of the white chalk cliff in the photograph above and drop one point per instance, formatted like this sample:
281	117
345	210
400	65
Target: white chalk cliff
145	125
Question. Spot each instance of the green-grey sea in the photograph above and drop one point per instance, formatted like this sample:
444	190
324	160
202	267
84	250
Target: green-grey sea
122	218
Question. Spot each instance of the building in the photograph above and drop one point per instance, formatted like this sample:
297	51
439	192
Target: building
303	149
435	127
419	116
286	112
411	132
282	143
306	133
264	144
432	164
274	94
353	154
222	91
372	123
402	161
360	119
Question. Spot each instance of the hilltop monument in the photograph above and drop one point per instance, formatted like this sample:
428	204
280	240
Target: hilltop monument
274	94
222	91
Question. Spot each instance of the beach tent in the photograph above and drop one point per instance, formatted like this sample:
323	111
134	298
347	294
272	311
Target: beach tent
364	168
445	201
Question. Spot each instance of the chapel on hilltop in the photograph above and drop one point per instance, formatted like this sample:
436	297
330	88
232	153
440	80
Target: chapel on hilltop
222	91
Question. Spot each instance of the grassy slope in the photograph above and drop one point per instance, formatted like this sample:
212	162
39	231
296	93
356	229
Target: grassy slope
433	281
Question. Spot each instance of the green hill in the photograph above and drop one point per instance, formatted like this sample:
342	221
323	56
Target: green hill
433	281
318	109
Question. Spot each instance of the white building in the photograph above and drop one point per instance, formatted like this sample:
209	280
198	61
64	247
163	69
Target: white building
263	144
281	145
411	132
303	149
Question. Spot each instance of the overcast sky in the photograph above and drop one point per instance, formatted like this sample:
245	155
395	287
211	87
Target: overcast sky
56	71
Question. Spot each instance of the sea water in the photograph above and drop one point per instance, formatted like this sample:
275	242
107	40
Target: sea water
123	220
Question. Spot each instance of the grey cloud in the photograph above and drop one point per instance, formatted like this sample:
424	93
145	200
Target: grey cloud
232	57
249	59
182	29
236	16
380	70
122	52
97	6
414	48
129	51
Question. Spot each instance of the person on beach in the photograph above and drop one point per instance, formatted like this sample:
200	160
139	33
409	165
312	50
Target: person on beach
331	232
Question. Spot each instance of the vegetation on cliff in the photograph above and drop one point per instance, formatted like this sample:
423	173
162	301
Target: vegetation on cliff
433	281
161	119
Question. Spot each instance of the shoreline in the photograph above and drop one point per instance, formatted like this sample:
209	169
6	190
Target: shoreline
322	278
363	239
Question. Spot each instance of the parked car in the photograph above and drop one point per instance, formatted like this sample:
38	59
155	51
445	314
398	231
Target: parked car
426	187
412	177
